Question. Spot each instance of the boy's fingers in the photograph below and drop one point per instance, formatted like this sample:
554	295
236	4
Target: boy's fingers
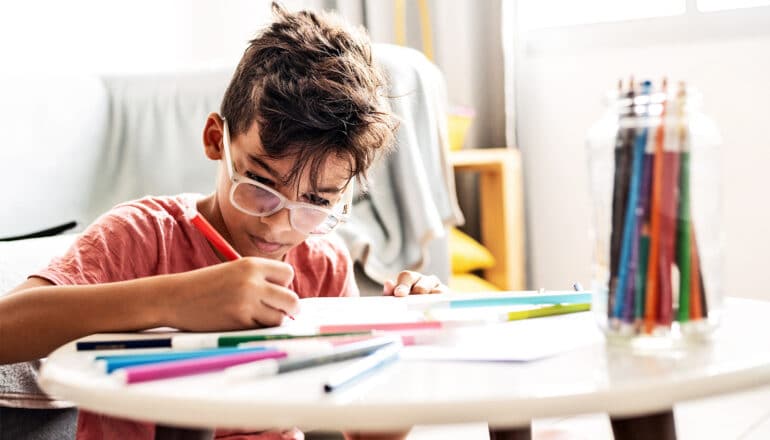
387	288
267	316
426	284
442	288
276	272
280	298
404	282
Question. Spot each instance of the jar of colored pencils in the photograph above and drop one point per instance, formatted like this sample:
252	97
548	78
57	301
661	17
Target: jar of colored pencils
654	173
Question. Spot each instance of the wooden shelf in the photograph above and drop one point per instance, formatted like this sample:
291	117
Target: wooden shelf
502	210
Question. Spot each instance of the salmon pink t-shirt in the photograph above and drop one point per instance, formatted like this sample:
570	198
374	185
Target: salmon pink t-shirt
152	236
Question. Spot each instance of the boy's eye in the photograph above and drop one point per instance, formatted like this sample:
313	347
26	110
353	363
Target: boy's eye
316	200
259	179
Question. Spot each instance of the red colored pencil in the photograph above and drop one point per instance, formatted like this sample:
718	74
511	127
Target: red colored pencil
215	238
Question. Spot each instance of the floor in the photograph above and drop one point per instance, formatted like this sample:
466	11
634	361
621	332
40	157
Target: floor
739	416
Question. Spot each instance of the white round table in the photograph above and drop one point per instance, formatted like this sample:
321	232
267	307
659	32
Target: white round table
637	390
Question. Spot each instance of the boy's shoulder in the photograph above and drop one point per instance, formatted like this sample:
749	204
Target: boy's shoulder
172	207
148	216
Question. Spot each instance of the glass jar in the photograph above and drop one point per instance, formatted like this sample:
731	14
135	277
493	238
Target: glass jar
654	174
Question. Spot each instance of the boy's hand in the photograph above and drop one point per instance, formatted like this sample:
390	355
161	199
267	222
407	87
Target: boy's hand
409	282
246	293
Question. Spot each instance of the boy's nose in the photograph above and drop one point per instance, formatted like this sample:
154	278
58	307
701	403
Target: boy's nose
279	221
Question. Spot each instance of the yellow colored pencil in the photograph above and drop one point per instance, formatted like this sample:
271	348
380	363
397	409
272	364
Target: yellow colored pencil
556	309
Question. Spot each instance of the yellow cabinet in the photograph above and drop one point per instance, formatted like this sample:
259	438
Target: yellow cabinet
502	210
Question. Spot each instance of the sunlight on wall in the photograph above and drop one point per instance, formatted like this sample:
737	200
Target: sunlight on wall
118	36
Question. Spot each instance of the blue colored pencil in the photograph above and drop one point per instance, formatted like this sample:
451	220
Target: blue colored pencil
629	225
643	237
363	367
514	300
111	363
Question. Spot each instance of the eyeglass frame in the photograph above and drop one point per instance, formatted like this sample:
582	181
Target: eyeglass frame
284	202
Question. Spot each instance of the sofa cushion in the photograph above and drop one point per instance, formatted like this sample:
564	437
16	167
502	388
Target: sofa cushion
54	128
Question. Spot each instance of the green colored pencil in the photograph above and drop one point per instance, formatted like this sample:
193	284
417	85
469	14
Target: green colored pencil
683	239
234	340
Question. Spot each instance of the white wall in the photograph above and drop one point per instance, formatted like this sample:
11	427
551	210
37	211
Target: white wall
559	96
129	36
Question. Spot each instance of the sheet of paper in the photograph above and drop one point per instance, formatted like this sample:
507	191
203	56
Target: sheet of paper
517	341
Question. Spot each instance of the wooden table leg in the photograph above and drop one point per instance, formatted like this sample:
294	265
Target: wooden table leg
659	426
524	433
173	433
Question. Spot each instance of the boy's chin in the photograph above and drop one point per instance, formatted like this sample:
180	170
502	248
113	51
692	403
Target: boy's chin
278	256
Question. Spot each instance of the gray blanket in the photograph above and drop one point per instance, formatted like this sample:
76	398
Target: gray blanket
411	192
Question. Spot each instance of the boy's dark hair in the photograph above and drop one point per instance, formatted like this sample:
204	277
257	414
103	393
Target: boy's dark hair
314	90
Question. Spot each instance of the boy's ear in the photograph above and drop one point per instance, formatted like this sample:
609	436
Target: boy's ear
213	137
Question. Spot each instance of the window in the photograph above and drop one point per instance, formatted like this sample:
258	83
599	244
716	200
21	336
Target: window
564	26
540	14
723	5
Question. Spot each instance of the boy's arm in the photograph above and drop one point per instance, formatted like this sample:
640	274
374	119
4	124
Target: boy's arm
38	317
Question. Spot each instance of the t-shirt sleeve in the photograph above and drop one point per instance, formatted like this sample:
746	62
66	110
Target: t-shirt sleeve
120	245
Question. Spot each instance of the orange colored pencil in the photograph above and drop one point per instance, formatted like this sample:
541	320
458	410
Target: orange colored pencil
696	308
651	296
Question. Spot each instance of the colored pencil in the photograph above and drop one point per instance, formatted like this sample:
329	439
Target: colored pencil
667	237
652	292
643	219
216	239
123	344
507	300
363	367
622	178
271	367
556	309
211	234
193	341
683	221
185	367
108	364
696	306
629	225
386	326
668	220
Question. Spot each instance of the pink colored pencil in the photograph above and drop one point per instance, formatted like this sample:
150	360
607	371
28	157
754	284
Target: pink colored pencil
383	326
165	370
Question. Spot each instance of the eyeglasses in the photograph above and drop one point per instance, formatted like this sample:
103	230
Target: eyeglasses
257	199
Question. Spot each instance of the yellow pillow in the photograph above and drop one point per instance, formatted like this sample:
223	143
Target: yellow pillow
467	254
467	282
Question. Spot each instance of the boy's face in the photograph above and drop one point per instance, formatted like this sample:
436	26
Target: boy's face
271	236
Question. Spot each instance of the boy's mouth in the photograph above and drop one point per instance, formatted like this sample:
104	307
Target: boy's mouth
264	246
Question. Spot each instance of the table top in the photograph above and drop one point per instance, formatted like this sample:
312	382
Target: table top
591	377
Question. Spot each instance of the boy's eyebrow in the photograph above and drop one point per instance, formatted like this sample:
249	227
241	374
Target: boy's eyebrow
266	167
278	177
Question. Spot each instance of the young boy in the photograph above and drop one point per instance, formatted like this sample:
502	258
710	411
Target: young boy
303	116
